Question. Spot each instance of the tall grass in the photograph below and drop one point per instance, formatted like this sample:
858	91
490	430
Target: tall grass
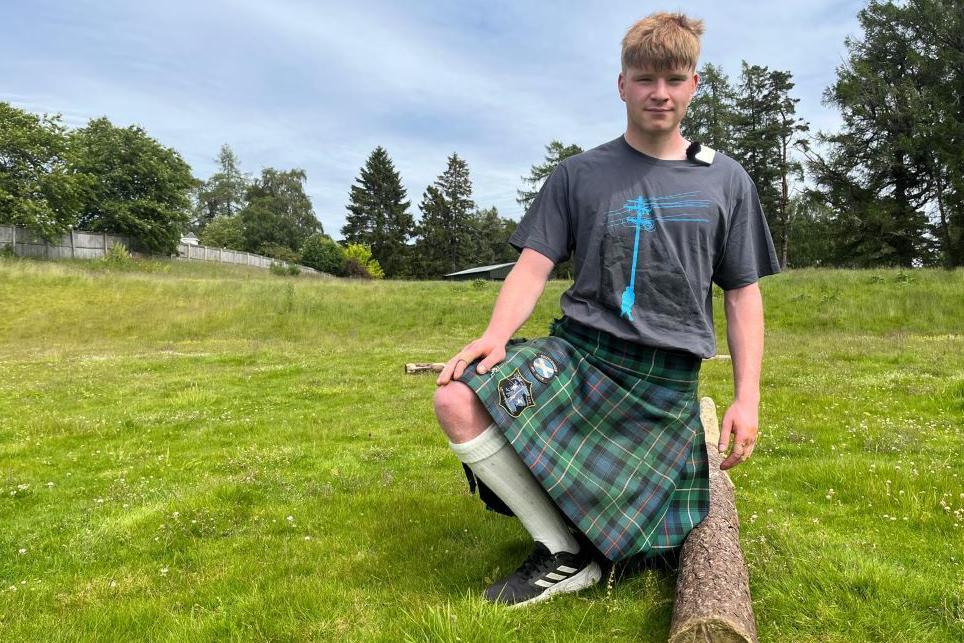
191	451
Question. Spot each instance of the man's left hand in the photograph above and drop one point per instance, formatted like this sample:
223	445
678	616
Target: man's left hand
740	420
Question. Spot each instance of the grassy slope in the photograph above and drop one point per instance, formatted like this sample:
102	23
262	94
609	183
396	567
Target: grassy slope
200	452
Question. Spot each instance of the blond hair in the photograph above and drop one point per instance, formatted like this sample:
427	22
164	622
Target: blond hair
663	41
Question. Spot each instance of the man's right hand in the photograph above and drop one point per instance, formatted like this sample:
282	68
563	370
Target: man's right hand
492	351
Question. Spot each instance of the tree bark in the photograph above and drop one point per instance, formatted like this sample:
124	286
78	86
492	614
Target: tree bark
712	587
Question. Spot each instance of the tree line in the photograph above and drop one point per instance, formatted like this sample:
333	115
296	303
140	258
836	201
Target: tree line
887	188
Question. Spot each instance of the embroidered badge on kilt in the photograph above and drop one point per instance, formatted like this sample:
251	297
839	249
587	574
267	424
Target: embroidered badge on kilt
515	393
543	368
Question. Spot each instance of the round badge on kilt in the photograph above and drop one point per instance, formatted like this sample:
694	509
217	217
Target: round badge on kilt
543	368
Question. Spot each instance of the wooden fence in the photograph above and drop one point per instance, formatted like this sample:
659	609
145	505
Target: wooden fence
223	255
93	245
73	245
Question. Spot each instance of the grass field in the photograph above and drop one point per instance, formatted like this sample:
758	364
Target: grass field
195	452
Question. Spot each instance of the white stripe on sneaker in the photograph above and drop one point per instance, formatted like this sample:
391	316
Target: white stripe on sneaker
543	583
568	570
589	576
553	576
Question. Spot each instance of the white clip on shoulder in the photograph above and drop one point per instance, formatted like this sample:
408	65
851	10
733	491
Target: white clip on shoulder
701	154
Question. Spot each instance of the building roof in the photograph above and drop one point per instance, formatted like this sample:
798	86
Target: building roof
469	271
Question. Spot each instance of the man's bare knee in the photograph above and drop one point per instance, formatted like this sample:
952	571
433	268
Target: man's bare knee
460	412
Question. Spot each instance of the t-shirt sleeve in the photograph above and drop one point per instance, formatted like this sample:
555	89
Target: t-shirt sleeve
748	251
546	227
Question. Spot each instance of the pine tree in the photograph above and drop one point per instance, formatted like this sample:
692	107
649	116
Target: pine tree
711	113
556	152
490	237
378	213
789	130
223	194
445	237
755	138
878	170
937	29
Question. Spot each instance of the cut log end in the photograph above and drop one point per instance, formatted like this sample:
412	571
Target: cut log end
434	367
717	631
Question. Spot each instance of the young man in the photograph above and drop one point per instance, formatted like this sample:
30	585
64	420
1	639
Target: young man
594	431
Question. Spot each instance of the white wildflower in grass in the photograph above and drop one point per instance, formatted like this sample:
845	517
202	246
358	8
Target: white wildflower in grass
50	484
830	493
22	551
307	537
164	571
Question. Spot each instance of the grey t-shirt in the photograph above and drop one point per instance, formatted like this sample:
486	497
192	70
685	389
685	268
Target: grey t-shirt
647	237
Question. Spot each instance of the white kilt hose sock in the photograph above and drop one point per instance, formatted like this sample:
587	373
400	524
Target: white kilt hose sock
494	462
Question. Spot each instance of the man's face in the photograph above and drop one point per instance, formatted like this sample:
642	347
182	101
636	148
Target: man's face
656	101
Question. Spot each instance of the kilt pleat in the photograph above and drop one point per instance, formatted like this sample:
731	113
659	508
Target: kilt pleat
610	429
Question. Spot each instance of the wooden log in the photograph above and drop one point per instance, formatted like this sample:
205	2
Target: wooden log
713	585
436	367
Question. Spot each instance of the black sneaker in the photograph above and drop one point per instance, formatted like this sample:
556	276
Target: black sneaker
543	575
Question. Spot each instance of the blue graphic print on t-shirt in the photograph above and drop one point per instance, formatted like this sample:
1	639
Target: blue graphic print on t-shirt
640	213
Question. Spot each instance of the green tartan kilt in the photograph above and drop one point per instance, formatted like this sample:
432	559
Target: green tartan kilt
610	429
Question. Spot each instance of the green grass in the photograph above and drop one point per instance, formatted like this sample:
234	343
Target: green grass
193	452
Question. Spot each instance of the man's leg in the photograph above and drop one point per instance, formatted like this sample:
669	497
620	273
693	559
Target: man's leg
478	443
556	565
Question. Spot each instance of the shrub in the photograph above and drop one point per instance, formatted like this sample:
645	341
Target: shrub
118	258
322	253
282	270
359	262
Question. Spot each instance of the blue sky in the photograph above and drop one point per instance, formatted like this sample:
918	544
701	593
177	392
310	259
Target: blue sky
317	85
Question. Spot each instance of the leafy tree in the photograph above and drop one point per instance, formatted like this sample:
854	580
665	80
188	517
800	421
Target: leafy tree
445	236
378	213
38	189
711	114
139	188
223	194
223	232
278	251
278	212
322	253
556	152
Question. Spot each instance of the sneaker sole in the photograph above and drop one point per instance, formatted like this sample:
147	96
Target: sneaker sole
588	577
